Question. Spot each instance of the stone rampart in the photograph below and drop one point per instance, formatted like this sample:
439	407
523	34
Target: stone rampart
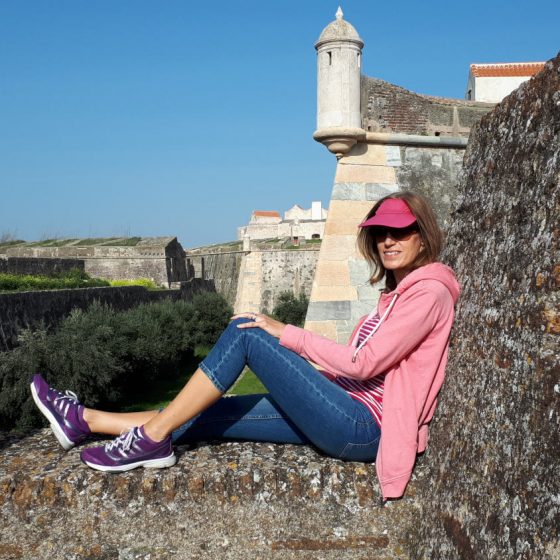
235	501
341	293
265	274
390	108
253	280
159	259
20	310
38	266
220	267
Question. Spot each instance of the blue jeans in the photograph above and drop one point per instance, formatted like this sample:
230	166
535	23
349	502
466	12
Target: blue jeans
302	407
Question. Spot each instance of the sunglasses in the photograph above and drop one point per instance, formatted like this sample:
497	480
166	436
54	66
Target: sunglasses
398	234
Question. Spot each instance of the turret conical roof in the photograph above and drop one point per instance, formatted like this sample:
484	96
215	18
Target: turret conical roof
339	30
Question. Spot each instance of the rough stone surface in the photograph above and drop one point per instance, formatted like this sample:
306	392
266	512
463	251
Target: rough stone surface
433	173
229	500
160	259
493	456
390	108
38	266
252	281
325	310
221	267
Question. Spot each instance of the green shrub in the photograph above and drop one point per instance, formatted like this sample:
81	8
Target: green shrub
145	282
291	310
103	354
210	316
69	280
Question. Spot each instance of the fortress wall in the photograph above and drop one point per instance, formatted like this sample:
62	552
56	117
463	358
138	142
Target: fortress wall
220	267
286	271
38	266
154	268
433	173
390	108
341	293
493	456
19	310
240	501
266	274
161	263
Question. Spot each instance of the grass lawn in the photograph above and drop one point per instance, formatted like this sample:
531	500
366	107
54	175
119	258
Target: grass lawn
165	388
247	384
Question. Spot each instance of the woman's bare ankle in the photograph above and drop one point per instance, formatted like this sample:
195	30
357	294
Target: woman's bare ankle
154	432
89	415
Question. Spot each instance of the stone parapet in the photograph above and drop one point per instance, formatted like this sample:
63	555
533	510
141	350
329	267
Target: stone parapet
230	500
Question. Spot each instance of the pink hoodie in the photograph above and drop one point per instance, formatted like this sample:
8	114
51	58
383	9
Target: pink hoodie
411	345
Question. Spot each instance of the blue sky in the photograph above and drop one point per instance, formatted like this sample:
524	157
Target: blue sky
133	117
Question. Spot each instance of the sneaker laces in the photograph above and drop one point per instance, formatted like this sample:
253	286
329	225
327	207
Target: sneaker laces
124	441
62	399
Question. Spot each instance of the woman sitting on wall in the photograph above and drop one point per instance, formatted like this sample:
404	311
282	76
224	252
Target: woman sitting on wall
372	401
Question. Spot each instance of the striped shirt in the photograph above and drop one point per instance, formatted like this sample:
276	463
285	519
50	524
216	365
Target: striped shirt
368	391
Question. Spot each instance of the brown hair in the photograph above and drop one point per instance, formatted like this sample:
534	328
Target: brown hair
430	232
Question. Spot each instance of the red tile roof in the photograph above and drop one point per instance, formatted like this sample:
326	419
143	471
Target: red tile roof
267	213
506	70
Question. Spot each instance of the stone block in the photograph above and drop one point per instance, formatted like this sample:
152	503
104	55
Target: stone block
345	216
240	501
360	308
349	191
351	173
376	191
328	310
332	273
328	293
338	247
368	292
359	271
368	154
324	328
393	155
344	330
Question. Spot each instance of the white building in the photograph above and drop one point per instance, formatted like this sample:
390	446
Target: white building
492	82
298	223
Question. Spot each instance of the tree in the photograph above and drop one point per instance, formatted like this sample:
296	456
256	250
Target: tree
291	310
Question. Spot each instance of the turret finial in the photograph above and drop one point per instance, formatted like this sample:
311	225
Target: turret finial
339	14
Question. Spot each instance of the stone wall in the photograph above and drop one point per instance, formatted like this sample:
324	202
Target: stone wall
159	259
390	108
286	271
341	294
253	280
494	450
220	267
235	501
433	173
265	274
20	310
38	266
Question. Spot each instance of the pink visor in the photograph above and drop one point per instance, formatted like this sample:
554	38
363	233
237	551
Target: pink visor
393	213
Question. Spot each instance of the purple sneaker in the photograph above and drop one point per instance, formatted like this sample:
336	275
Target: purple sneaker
62	410
130	450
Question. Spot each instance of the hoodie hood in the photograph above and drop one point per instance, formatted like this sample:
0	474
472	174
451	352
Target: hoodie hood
433	271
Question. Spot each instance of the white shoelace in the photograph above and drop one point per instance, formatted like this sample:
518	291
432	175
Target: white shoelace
124	441
63	401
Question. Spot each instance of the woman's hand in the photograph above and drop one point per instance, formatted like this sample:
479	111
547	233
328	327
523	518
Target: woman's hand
260	321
